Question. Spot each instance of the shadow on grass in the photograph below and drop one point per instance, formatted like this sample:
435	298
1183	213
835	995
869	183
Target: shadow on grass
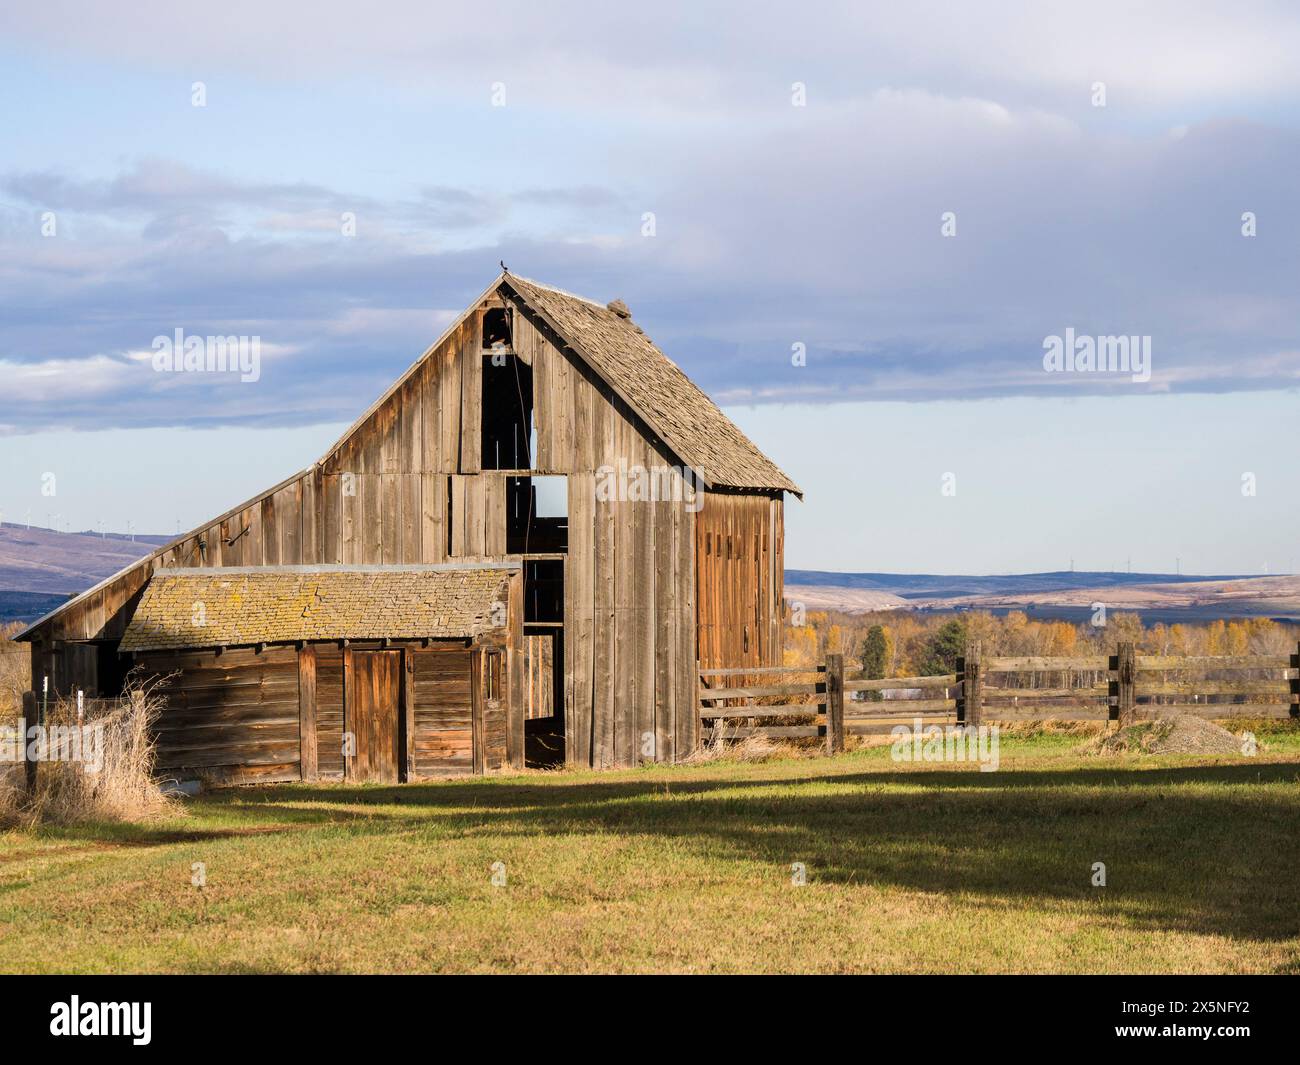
90	836
1200	849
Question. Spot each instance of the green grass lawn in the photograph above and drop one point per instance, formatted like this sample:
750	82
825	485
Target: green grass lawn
688	869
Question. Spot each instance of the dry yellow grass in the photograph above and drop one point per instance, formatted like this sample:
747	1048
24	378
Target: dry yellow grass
15	676
98	771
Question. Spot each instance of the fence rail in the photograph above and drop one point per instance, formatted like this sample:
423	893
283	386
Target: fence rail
1124	687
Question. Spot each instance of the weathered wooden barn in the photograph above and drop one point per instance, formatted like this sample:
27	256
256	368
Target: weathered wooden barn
532	542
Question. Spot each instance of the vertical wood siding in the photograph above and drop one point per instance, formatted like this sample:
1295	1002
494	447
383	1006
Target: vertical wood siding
739	580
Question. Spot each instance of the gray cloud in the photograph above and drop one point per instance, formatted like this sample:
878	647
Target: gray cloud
832	240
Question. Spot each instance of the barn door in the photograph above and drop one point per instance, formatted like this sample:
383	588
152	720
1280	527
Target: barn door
374	702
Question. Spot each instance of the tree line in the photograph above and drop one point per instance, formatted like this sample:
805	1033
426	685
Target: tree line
902	643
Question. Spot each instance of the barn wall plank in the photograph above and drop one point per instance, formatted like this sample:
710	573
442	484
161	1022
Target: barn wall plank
471	397
307	711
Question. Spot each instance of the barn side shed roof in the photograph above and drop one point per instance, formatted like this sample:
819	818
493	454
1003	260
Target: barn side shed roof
247	605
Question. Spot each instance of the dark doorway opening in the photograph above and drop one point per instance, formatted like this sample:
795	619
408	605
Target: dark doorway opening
111	669
507	412
543	672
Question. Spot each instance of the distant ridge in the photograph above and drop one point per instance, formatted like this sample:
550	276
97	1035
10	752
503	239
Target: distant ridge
55	565
933	585
1067	595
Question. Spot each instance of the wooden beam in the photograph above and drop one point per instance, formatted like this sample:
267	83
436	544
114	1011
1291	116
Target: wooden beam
307	711
755	710
890	683
712	695
349	749
901	707
1045	664
407	770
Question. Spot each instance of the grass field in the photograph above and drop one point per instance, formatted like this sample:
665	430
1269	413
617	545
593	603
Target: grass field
909	869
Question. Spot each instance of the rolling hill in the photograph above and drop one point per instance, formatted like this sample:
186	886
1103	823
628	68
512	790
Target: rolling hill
40	568
1067	595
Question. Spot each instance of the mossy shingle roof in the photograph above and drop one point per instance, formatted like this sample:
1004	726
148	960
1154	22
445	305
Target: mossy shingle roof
211	607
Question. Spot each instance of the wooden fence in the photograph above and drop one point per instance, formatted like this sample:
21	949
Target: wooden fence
16	770
795	702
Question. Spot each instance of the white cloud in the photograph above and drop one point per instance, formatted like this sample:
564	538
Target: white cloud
54	381
702	56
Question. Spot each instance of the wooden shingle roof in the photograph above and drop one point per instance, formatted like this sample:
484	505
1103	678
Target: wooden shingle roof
217	608
655	386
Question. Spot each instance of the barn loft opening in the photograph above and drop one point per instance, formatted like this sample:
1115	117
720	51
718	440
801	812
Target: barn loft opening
507	412
497	329
537	515
507	399
543	591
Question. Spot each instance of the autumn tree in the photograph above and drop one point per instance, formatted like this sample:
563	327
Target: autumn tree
943	648
875	657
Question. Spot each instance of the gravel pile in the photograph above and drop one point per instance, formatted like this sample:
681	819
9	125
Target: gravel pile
1180	734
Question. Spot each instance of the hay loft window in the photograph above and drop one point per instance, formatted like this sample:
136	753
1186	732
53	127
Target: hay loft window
537	515
507	401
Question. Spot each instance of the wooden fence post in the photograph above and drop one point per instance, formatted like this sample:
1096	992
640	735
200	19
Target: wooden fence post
960	671
1126	676
29	719
698	686
972	685
834	704
1295	684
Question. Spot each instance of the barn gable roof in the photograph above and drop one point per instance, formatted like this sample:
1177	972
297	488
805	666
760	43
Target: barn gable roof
257	604
607	339
654	386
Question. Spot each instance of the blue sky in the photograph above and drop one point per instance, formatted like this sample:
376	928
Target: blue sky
775	225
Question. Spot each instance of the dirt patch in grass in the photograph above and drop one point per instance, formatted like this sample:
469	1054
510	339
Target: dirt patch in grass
1179	734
